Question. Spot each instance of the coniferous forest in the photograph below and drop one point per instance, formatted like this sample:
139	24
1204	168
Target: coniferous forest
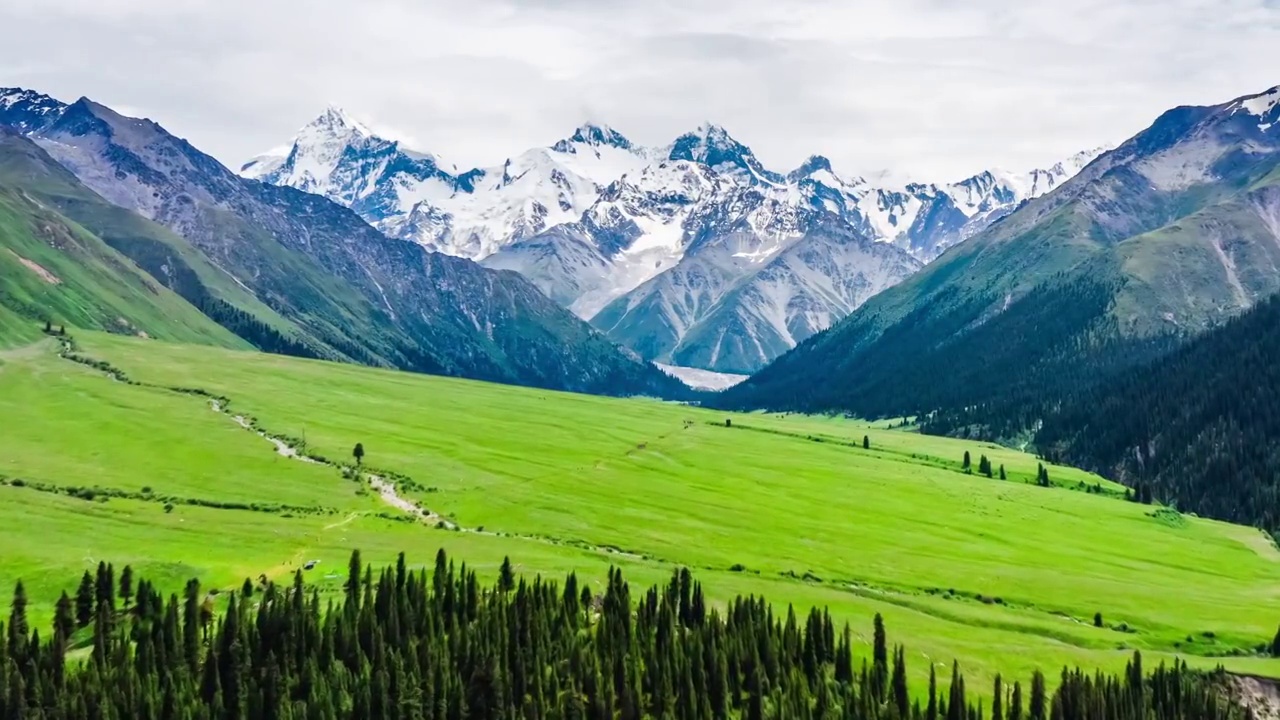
436	644
1199	428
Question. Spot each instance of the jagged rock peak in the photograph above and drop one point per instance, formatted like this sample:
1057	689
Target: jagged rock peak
594	134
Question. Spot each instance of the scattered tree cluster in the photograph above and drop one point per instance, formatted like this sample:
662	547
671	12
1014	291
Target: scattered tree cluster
437	645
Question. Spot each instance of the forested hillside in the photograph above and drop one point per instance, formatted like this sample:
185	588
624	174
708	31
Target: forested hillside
1199	428
437	645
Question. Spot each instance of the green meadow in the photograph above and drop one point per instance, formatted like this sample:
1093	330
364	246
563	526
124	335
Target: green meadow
1004	575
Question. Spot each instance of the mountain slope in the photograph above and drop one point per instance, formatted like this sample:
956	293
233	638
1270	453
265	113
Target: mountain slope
356	292
1170	233
1191	429
738	299
55	270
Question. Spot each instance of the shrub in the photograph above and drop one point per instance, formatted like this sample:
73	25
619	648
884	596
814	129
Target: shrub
1097	619
737	567
168	507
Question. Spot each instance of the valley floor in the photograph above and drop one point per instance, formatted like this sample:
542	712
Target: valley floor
1005	576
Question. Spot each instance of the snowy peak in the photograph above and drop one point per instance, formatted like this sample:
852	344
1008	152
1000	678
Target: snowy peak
811	166
28	110
1265	106
336	122
593	135
712	145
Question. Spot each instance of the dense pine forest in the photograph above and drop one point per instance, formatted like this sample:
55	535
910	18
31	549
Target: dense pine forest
1199	428
435	644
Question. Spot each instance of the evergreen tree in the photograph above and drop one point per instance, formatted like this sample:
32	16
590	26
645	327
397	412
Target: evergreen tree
931	710
84	601
997	699
1037	706
506	576
352	585
126	586
1002	475
880	660
18	628
64	617
358	453
866	442
965	465
901	695
984	466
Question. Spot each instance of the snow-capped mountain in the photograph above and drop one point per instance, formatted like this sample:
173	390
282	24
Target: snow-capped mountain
414	196
634	231
926	218
669	241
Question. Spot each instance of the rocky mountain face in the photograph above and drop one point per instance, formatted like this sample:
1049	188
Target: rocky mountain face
1174	231
354	293
675	252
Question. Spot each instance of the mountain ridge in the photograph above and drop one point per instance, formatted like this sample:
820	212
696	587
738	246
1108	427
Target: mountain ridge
594	218
1072	287
358	294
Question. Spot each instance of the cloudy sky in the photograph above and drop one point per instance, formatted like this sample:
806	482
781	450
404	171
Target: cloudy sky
931	88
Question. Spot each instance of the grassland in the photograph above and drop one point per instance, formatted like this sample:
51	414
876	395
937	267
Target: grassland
1006	576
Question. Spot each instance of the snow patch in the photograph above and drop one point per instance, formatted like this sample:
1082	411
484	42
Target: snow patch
700	379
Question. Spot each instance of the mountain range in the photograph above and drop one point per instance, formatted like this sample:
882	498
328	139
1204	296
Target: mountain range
283	269
1171	233
693	254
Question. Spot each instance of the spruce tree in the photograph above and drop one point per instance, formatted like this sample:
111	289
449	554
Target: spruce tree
880	660
506	576
1037	703
126	586
866	442
966	464
18	628
931	710
84	600
997	700
901	695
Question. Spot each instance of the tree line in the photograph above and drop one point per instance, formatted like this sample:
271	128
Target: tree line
436	644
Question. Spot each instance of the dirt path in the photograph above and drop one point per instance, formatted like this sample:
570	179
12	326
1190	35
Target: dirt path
386	489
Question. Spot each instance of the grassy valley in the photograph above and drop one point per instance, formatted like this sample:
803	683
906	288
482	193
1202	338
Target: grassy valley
1006	576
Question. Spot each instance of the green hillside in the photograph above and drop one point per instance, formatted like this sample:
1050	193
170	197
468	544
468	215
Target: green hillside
28	173
1003	574
52	269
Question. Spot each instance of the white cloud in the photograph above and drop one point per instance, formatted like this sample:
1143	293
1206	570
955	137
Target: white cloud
934	88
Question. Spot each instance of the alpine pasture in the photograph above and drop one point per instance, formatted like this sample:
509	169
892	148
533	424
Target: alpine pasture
1006	575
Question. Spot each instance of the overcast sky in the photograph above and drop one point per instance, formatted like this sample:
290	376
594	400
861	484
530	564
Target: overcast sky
936	89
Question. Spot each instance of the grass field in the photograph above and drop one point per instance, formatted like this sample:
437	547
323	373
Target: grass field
1006	576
